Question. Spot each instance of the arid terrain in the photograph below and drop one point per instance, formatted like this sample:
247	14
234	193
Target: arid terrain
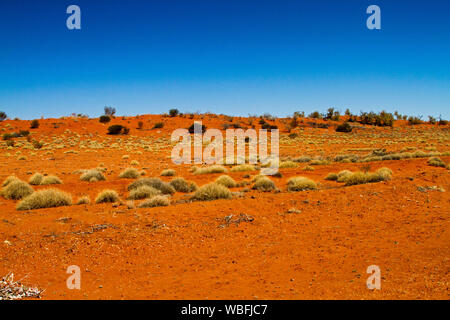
277	244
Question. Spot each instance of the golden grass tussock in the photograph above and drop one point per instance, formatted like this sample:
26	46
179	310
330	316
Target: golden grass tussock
168	173
359	177
301	184
226	181
107	196
342	175
243	167
36	179
129	173
287	164
8	180
308	168
263	183
331	176
48	198
50	180
181	185
156	201
88	175
210	169
436	162
143	192
212	191
83	200
16	190
156	183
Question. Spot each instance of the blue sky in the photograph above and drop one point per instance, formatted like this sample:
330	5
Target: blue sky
233	57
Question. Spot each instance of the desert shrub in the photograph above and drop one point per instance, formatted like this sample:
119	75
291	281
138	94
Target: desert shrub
436	162
385	173
134	162
191	128
263	183
359	177
104	119
3	116
36	179
173	112
210	169
308	168
315	115
143	192
342	175
301	184
168	173
287	164
7	136
181	185
10	143
8	180
140	125
117	129
226	181
24	133
48	198
442	122
51	180
83	200
88	175
414	120
129	173
345	127
158	125
34	124
318	162
107	196
156	183
212	191
243	167
156	201
37	144
331	176
16	190
302	159
268	126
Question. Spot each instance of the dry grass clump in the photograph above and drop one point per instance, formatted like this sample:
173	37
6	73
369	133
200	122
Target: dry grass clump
181	185
16	190
50	180
359	177
156	201
156	183
448	167
168	173
8	180
287	164
107	196
134	163
319	162
129	173
436	162
243	167
263	183
89	175
302	159
83	200
212	191
226	181
331	176
143	192
48	198
210	169
36	179
342	175
308	168
301	184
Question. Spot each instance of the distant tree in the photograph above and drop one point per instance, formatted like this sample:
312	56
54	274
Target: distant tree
3	116
173	112
431	120
34	124
345	127
110	111
348	112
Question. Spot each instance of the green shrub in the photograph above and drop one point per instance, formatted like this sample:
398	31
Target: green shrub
48	198
3	116
16	190
107	196
191	128
359	177
301	184
212	191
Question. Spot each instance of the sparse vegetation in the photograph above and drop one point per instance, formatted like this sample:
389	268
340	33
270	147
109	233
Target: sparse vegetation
36	179
181	185
107	196
212	191
331	176
16	189
168	173
129	173
91	174
263	183
360	177
242	168
210	169
301	184
143	192
48	198
436	162
156	201
50	180
156	183
83	200
226	181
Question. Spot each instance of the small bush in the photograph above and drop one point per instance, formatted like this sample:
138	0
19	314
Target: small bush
156	183
9	179
129	173
168	173
48	198
191	128
3	116
158	125
157	201
88	175
51	180
263	183
34	124
331	176
117	129
308	168
301	184
83	200
107	196
181	185
36	179
226	181
342	175
104	119
243	167
288	164
16	190
143	192
345	127
359	177
173	112
37	144
436	162
212	191
210	169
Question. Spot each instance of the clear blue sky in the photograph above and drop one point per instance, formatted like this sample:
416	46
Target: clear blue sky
235	57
